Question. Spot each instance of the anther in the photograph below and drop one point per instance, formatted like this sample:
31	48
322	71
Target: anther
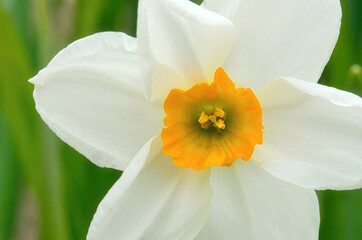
219	124
203	118
216	119
219	112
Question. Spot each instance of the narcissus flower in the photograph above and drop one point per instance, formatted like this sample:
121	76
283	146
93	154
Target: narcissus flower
215	116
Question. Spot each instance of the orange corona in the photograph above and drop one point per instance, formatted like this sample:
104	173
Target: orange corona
211	124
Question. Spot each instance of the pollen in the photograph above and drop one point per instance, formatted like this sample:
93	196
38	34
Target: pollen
219	113
204	118
211	124
216	119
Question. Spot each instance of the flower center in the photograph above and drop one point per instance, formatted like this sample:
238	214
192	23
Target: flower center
211	124
216	118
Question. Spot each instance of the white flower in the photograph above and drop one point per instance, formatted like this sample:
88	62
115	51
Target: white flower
104	96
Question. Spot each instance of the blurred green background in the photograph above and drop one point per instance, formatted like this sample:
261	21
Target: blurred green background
50	192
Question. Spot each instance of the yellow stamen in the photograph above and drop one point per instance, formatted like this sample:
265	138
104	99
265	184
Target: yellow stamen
219	124
206	125
219	112
212	118
216	119
203	118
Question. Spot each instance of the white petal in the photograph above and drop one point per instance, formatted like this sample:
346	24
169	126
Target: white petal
160	201
312	135
248	203
280	38
227	8
181	44
107	49
90	96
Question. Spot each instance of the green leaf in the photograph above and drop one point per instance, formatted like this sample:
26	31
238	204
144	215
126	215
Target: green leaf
31	138
9	183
